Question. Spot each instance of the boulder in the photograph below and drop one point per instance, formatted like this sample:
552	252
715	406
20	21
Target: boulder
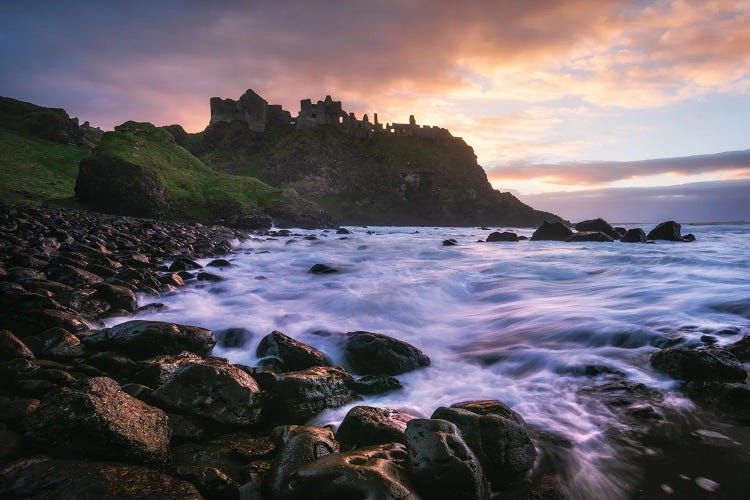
374	353
56	343
598	226
294	355
298	396
373	473
98	420
504	236
450	242
669	231
491	407
366	425
118	297
154	372
501	444
688	237
441	464
635	235
52	479
376	384
322	269
298	445
141	339
343	230
73	276
11	347
213	390
620	231
552	231
707	364
596	236
233	337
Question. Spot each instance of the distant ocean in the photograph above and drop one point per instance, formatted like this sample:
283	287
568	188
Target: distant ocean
547	327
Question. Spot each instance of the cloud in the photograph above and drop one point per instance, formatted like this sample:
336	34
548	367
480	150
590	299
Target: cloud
696	202
598	172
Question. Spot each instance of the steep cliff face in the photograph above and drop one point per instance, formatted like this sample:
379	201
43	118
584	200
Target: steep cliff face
377	179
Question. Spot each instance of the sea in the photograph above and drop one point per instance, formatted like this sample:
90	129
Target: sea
552	329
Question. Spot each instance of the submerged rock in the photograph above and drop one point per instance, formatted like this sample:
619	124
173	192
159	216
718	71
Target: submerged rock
143	339
372	473
707	364
98	420
669	231
441	463
375	353
322	269
376	384
366	425
504	236
552	231
294	355
214	390
450	242
50	479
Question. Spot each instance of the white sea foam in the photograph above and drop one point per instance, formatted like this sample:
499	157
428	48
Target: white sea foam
509	321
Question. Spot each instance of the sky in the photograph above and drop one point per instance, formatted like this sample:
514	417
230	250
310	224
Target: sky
555	96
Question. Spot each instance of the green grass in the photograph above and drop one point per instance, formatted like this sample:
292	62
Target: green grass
37	171
193	187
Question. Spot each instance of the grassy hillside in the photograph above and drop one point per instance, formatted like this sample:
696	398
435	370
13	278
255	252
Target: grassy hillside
39	154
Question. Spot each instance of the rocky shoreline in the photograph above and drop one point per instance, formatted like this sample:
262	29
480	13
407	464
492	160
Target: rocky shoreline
142	408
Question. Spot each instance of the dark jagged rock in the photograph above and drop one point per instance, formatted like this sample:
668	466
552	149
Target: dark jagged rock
216	391
298	396
690	237
298	445
741	348
376	384
98	420
707	364
669	231
501	444
366	425
598	226
441	463
635	235
294	355
374	353
552	231
373	473
50	479
144	339
620	231
504	236
322	269
11	347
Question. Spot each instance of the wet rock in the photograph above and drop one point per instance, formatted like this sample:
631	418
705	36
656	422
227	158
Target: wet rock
366	425
14	410
143	339
501	444
74	276
51	479
233	337
294	355
118	297
113	364
343	230
141	392
634	236
298	445
442	465
376	384
504	236
690	237
209	277
11	347
172	279
217	391
552	231
590	236
35	321
298	396
707	364
374	353
322	269
183	264
22	273
669	231
156	371
98	420
620	231
184	427
491	407
450	242
598	226
56	343
219	263
741	348
210	481
373	473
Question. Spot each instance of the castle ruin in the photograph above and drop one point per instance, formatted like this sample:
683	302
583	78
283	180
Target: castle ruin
258	114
